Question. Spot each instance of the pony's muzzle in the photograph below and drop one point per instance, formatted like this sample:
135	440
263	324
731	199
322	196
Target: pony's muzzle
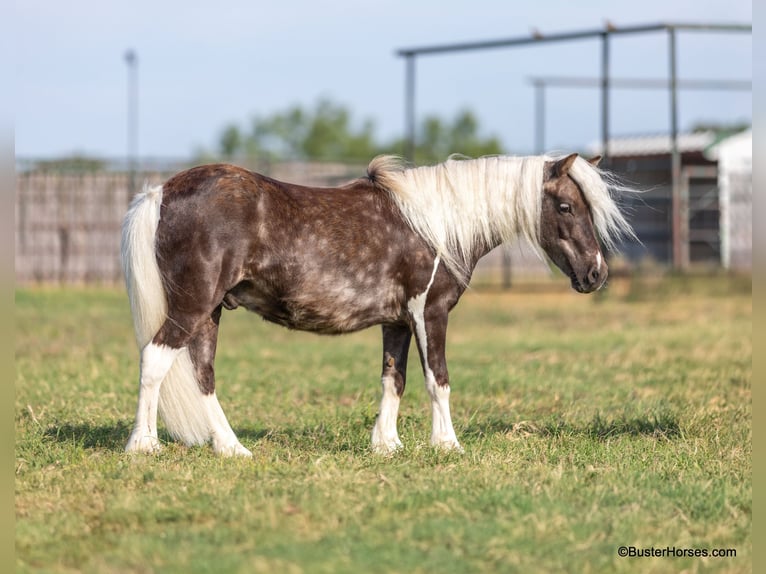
596	276
591	280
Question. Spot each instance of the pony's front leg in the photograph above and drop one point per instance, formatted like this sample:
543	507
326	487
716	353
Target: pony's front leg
396	344
431	336
156	361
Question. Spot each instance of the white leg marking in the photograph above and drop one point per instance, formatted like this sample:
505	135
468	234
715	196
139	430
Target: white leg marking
442	432
224	440
385	438
191	416
156	361
417	306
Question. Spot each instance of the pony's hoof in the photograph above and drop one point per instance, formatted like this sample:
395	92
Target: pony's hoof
449	446
143	444
387	447
233	450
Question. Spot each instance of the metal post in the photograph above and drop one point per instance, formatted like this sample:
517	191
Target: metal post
506	268
684	185
605	99
680	243
409	112
132	61
605	159
539	117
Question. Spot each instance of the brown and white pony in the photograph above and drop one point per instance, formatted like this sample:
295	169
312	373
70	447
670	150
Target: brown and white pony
395	248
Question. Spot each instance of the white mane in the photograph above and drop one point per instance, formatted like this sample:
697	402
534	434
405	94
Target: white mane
461	205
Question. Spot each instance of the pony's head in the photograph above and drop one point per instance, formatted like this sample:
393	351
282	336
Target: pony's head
568	233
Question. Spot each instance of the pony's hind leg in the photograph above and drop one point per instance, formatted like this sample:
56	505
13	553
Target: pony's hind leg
161	361
156	361
396	343
177	379
202	349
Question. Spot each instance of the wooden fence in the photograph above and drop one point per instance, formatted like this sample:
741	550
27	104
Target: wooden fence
68	226
68	223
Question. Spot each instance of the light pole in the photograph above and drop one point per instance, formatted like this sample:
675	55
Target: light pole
132	61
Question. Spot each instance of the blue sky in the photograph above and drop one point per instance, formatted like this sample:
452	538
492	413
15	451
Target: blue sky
202	67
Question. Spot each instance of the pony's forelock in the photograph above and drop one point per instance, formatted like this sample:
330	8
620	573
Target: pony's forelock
602	190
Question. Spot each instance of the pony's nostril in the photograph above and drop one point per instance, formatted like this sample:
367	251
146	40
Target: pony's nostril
594	275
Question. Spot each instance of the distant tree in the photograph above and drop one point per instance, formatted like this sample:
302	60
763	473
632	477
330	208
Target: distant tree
721	128
437	140
325	133
328	132
331	135
461	137
280	136
75	163
231	141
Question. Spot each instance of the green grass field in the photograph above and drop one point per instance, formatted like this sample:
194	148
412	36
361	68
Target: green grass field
589	423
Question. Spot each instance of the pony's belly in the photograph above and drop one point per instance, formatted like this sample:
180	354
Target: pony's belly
334	310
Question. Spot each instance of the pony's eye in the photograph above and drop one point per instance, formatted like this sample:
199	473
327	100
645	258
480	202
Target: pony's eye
564	208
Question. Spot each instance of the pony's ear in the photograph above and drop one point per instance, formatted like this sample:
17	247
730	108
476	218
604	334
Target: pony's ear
562	166
594	161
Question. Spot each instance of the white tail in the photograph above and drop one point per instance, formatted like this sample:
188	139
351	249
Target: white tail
189	415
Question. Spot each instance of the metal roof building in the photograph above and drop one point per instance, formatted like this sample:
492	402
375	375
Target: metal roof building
735	187
709	222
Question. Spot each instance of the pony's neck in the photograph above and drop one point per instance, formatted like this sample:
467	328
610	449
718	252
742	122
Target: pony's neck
465	208
486	202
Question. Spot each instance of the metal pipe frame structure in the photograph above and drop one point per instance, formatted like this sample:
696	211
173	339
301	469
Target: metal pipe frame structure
609	30
542	83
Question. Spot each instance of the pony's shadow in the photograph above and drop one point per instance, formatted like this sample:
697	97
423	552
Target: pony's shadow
112	436
90	436
655	425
